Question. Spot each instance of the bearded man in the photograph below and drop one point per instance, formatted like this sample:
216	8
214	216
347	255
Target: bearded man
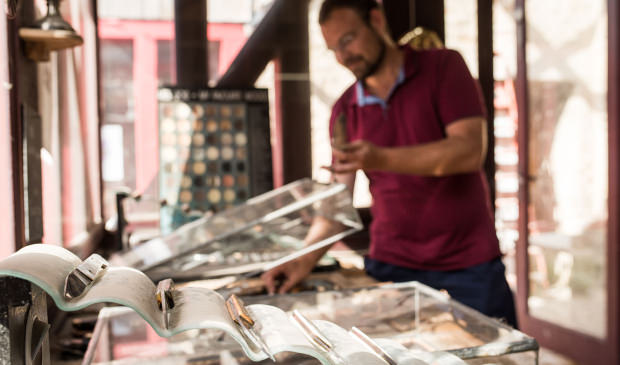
415	125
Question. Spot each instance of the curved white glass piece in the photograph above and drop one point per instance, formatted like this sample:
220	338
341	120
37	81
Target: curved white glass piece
48	266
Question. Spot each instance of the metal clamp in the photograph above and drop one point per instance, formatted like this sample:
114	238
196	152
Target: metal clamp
372	345
239	314
313	333
37	331
84	275
165	300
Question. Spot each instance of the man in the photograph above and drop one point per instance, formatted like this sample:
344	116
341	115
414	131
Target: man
415	125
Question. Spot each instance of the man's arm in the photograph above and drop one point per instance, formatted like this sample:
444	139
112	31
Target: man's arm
463	150
295	271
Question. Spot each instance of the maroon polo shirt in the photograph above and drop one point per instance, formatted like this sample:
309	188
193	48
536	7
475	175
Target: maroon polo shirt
421	222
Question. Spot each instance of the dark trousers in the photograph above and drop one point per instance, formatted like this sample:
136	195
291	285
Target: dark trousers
482	287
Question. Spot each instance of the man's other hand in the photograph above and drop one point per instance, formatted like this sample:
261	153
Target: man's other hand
290	274
357	155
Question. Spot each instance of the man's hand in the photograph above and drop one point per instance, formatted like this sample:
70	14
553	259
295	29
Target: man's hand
463	150
290	273
357	155
293	272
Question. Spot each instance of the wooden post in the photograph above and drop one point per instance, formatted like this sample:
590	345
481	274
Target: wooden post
190	26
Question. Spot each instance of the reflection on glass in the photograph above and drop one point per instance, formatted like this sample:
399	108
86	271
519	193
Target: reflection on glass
117	103
567	84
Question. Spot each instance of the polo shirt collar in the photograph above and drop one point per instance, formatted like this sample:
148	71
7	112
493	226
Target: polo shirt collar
407	70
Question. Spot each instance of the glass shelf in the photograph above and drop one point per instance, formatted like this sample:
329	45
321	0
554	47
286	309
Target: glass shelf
416	316
249	236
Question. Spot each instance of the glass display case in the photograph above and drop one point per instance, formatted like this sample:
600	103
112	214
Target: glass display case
422	319
256	235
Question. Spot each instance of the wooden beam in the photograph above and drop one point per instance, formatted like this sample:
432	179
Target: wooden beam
400	15
430	14
27	132
293	81
487	83
190	26
613	132
282	36
257	52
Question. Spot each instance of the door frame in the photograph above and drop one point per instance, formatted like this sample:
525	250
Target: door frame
581	347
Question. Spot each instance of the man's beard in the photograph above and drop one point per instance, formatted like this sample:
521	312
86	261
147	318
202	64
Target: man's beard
373	66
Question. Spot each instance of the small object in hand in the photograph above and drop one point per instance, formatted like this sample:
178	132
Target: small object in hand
339	131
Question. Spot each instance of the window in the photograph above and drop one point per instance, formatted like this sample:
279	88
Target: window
7	228
137	56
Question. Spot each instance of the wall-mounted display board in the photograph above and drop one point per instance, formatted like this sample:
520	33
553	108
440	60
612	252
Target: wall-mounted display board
215	151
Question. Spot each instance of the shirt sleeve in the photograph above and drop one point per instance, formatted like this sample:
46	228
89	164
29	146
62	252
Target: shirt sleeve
458	94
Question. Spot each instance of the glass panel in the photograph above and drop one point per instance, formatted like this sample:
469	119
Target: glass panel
166	62
118	168
7	228
505	131
568	159
243	238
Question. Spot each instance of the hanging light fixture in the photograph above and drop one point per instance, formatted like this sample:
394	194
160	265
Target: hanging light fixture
53	20
50	33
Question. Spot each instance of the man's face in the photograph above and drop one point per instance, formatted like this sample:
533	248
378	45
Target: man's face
356	44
